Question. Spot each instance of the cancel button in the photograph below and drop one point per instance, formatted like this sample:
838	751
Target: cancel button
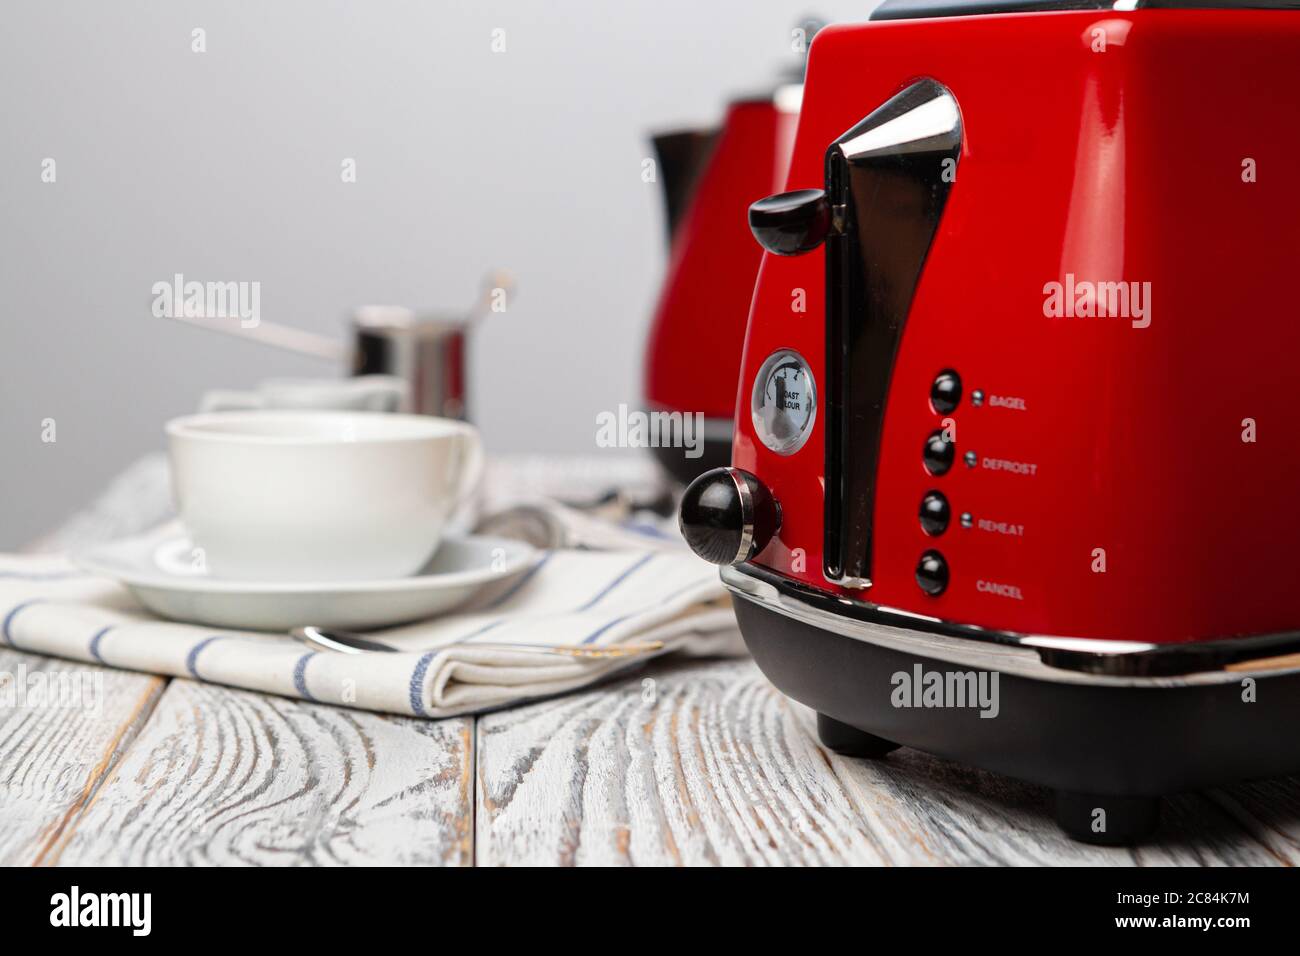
1001	590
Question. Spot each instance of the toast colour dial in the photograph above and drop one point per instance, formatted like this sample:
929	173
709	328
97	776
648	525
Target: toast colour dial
784	403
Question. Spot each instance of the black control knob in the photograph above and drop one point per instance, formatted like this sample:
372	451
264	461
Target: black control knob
728	516
792	223
934	513
945	393
938	453
932	573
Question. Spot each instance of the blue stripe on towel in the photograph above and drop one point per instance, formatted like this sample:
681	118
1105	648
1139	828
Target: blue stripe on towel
192	658
635	567
623	576
658	604
9	619
502	599
478	631
94	643
603	628
645	530
417	684
515	588
300	676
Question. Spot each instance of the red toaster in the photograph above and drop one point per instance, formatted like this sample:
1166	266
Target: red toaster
1012	489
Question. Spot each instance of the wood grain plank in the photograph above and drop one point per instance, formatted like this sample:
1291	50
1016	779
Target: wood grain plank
708	764
56	750
223	776
1269	810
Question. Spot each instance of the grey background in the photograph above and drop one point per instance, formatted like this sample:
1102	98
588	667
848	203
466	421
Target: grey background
225	166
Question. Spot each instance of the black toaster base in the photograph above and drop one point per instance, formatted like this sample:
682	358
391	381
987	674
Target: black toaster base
1108	750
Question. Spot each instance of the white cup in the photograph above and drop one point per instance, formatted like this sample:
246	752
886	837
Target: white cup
319	495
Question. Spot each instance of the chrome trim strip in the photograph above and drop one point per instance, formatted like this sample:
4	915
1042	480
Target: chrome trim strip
1061	659
746	517
856	584
889	175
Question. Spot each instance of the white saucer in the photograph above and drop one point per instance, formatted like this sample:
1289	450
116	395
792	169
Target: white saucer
159	572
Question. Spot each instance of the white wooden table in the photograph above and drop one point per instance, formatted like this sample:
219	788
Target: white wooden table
681	763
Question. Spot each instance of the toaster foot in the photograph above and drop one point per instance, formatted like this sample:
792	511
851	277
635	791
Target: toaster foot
1108	821
849	741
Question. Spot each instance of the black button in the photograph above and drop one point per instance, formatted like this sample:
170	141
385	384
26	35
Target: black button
934	513
938	453
717	522
945	393
932	573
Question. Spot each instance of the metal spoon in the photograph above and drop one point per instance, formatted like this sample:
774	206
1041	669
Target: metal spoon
343	642
349	642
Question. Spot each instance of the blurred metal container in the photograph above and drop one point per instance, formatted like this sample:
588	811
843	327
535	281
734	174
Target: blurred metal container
426	352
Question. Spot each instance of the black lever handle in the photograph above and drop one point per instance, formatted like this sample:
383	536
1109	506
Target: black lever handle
728	516
790	224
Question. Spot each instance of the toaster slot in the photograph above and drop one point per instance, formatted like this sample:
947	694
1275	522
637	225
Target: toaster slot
887	180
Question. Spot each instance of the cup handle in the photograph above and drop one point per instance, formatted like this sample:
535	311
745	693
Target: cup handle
472	472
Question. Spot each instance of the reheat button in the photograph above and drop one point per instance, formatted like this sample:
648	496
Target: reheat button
934	513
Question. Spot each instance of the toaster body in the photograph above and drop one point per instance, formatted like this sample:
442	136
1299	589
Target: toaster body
1014	399
1104	296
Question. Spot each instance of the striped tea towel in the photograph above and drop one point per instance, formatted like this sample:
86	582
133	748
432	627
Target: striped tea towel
574	617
